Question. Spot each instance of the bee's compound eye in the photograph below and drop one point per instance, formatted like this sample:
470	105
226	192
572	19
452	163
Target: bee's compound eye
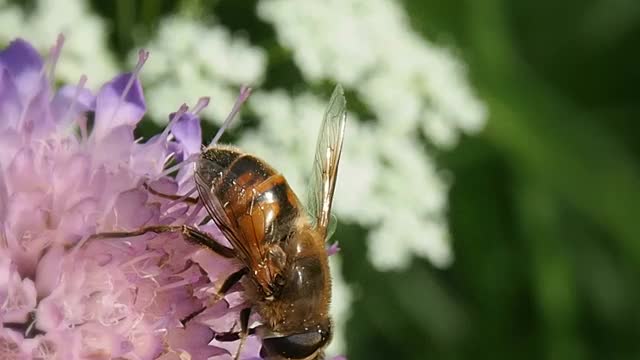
296	346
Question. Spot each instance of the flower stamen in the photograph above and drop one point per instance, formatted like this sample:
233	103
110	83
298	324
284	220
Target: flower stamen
191	218
81	83
168	171
202	103
143	55
181	199
52	61
245	91
181	111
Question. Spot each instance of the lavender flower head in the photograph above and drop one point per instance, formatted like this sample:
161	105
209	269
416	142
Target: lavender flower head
70	167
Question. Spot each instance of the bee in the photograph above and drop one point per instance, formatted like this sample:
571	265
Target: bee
280	242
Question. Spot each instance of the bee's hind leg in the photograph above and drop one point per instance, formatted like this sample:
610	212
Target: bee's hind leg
190	234
244	330
241	335
186	199
231	280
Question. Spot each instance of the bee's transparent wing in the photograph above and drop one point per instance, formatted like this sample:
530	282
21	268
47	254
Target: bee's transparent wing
240	230
325	167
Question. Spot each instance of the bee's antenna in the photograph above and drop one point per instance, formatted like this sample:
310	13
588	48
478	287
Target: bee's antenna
245	91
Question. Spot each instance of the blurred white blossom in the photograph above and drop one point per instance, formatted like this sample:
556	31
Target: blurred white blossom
409	83
85	51
193	59
386	183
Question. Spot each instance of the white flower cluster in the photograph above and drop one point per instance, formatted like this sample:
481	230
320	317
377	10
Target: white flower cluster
192	59
85	50
367	45
387	182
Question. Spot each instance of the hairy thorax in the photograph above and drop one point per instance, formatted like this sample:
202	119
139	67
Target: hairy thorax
303	300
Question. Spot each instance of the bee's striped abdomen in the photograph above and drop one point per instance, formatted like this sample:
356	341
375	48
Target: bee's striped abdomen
252	193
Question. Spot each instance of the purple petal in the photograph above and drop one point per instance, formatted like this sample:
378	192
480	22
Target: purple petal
149	158
12	345
24	176
76	220
71	175
129	210
219	317
188	133
24	65
18	296
333	249
10	105
115	146
61	106
10	143
37	118
19	57
4	196
194	340
49	270
114	110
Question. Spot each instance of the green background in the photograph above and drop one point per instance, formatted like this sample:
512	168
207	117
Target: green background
546	200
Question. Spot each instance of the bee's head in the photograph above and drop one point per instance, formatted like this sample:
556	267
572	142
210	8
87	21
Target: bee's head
306	344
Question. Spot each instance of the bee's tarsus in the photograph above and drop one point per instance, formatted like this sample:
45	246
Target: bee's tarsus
190	233
233	336
192	315
244	332
199	237
141	231
232	280
186	199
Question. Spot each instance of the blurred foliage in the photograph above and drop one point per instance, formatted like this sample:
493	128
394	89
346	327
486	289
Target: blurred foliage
545	201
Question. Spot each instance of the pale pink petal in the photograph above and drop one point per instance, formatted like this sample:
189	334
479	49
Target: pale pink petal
193	341
70	102
11	345
10	105
49	271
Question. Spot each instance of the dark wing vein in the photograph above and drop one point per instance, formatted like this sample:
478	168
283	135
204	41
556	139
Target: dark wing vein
228	226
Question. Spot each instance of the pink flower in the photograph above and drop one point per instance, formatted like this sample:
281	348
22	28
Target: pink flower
70	167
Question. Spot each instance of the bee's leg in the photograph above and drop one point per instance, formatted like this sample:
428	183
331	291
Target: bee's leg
206	220
231	280
199	237
190	233
192	315
244	330
187	199
233	336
